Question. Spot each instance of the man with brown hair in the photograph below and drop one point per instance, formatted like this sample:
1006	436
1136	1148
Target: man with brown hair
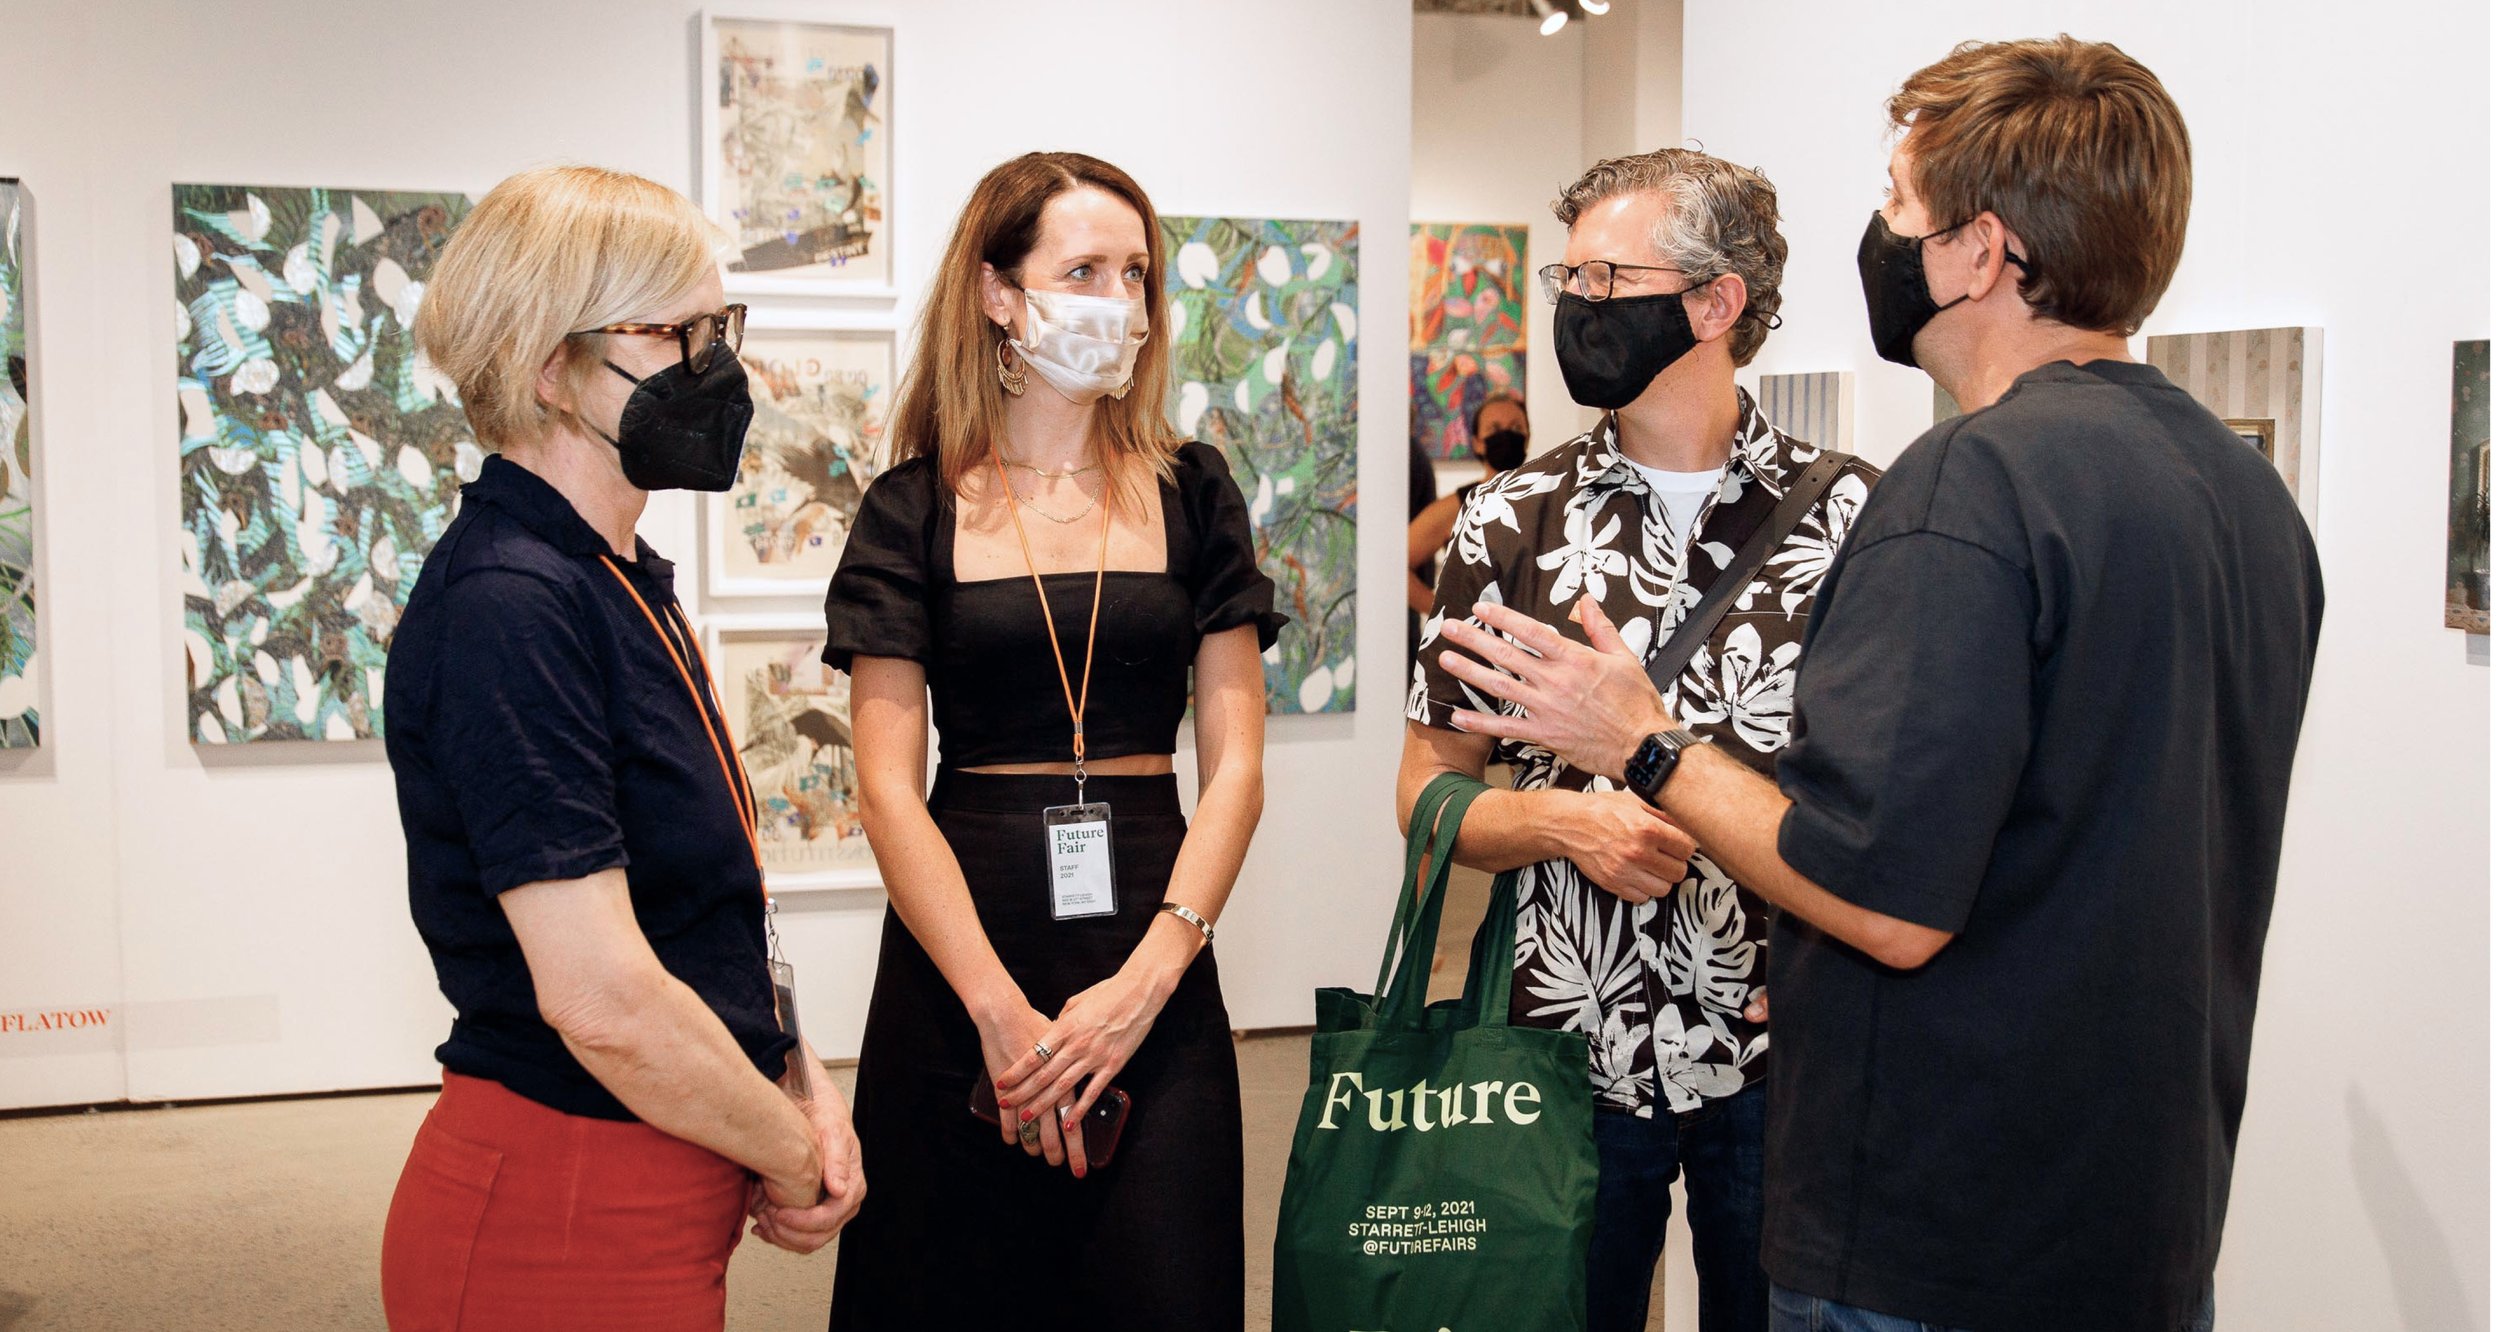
1670	283
2024	843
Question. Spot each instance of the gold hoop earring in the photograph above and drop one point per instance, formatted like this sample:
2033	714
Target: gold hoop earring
1010	369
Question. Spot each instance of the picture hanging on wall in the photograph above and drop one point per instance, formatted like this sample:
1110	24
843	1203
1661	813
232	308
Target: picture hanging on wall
2268	381
320	455
21	723
1817	408
791	715
2469	488
1465	328
818	438
798	152
1263	345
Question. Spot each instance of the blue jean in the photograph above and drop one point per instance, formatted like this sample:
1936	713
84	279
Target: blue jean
1718	1150
1792	1312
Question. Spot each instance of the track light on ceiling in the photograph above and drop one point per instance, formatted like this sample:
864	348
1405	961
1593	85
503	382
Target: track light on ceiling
1595	7
1555	19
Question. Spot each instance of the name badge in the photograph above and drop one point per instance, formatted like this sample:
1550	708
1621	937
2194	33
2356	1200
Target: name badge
786	1010
1080	861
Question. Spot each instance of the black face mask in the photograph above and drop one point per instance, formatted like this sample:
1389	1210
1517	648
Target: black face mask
1893	270
1611	349
1505	449
684	431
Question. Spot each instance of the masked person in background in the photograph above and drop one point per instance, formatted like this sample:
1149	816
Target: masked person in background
1055	578
581	853
1670	282
1501	430
2024	849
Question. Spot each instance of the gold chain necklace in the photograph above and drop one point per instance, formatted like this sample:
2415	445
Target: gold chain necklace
1091	501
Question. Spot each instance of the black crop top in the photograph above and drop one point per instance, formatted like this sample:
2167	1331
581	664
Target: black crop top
993	689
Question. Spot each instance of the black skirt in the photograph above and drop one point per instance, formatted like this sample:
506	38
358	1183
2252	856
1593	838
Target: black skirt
961	1230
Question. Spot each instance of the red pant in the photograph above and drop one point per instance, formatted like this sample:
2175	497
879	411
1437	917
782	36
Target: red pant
513	1215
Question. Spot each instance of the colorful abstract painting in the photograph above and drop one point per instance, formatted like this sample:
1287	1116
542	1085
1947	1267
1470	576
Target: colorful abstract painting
792	718
21	726
1466	334
800	148
820	410
2469	488
321	455
1263	333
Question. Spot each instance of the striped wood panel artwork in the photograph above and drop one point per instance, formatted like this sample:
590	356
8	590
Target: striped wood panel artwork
2249	375
1814	408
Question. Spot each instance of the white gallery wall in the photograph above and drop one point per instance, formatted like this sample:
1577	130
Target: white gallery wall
2361	1194
1497	136
242	912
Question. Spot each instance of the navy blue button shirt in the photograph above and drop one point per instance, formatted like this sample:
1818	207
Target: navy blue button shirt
539	730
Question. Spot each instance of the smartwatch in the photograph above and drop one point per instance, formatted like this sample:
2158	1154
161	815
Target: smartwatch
1654	762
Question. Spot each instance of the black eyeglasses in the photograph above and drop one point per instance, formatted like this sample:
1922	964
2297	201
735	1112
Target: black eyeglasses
700	340
1592	281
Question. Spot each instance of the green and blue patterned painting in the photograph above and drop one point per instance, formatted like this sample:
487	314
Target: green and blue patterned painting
321	456
20	726
1263	330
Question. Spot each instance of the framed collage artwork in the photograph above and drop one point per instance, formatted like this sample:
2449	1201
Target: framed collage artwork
791	717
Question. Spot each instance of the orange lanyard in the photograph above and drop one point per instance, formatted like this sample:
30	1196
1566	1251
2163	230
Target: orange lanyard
741	795
1076	697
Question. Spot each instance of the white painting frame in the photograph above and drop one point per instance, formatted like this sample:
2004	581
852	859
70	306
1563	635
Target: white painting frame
712	185
731	576
722	636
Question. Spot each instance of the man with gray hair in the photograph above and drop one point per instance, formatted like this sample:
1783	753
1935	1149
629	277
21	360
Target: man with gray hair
1670	283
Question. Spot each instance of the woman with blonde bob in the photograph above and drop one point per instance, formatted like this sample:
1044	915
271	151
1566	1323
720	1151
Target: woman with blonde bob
581	841
1055	577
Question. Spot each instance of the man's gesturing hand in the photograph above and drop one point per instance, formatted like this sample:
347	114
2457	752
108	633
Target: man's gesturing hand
1590	705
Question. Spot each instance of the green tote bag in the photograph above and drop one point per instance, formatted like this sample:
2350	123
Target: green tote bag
1444	1172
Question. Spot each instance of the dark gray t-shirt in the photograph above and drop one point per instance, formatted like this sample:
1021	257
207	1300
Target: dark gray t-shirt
2049	702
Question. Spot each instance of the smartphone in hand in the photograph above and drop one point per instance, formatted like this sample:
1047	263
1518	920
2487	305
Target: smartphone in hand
1103	1123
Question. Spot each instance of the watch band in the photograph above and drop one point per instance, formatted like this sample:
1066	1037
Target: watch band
1656	760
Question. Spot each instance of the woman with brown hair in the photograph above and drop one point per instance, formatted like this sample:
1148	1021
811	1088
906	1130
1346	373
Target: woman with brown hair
1055	577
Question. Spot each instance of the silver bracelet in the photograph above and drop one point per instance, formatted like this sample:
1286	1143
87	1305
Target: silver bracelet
1192	917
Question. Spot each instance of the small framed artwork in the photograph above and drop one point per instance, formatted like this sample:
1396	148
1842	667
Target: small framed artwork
797	148
2258	433
2469	488
1817	408
2270	377
822	396
791	716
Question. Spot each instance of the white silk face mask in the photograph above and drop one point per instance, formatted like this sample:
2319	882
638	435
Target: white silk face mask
1084	346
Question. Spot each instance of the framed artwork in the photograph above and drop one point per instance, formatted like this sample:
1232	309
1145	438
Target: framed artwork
818	438
21	669
320	455
2267	374
1466	332
791	715
2258	433
2469	488
1263	344
1817	408
797	151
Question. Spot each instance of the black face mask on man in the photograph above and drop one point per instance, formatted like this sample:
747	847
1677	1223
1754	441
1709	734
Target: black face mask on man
1611	349
1893	270
1505	449
681	430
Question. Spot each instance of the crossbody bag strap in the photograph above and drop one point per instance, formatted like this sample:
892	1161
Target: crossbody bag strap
1670	660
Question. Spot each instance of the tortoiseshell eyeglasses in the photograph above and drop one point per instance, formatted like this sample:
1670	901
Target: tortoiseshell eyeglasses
699	340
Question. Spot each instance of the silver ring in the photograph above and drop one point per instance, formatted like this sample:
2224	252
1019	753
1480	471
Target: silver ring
1043	1051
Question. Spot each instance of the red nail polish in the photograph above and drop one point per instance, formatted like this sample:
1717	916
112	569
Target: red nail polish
1026	1116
